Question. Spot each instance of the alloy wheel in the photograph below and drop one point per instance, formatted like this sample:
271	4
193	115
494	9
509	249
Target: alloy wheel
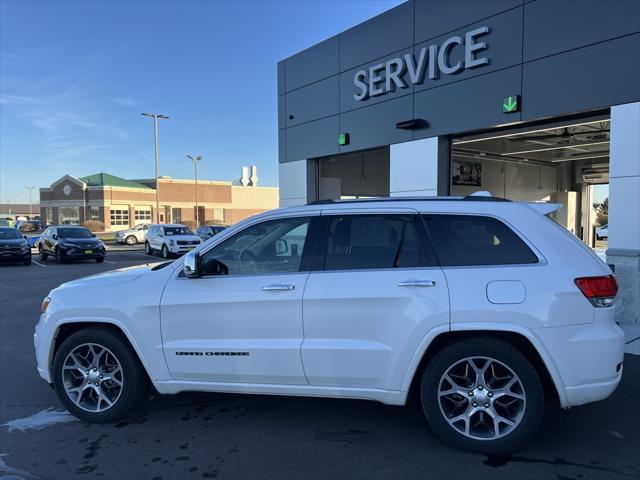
92	377
481	398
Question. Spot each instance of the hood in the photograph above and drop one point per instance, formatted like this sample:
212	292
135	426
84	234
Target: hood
114	277
12	242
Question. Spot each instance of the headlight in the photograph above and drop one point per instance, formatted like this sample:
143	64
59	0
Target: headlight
45	304
171	242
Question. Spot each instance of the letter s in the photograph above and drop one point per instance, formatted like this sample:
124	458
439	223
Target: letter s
360	81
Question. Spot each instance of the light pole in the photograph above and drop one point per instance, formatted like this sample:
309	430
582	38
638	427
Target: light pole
195	161
30	190
155	117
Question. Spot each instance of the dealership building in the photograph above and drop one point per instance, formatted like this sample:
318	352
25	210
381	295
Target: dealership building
120	203
529	100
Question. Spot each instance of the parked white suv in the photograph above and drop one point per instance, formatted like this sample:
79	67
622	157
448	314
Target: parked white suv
133	235
486	309
170	240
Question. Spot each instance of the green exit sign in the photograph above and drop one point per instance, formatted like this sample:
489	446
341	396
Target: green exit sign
343	139
511	104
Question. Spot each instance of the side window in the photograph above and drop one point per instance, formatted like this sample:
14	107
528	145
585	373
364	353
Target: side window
372	242
275	246
467	240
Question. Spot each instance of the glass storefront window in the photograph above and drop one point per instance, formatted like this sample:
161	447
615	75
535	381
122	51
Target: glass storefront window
69	215
94	213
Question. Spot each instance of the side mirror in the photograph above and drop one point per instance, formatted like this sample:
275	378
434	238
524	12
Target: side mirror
282	246
54	236
190	266
25	237
93	235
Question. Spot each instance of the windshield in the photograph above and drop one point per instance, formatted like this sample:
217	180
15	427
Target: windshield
73	233
9	234
177	231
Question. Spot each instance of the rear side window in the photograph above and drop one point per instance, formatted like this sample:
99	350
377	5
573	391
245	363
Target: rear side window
357	242
466	240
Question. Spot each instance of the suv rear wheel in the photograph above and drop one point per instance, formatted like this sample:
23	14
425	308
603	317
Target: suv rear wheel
482	395
97	375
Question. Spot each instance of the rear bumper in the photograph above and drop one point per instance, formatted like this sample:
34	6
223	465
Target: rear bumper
588	358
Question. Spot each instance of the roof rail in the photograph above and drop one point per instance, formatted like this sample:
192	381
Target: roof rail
471	198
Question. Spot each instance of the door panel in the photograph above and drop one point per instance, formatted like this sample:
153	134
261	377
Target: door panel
242	320
362	328
378	296
228	329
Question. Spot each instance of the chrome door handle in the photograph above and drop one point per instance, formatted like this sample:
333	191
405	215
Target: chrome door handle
417	283
278	287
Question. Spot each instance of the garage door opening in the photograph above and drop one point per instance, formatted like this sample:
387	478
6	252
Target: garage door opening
354	175
563	162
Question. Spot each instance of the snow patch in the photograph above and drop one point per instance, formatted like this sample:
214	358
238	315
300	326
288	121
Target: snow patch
40	420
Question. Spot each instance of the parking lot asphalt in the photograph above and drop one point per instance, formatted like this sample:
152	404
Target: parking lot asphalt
203	436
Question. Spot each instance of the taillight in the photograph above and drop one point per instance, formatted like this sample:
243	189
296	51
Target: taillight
600	291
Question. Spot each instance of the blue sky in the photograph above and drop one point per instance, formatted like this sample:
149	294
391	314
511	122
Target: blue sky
75	76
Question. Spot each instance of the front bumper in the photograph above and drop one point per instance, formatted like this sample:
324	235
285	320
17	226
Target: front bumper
42	351
588	358
181	249
14	256
80	253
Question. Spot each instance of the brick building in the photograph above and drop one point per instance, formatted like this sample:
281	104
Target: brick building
121	203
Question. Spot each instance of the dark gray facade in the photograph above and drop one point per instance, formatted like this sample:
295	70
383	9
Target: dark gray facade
562	57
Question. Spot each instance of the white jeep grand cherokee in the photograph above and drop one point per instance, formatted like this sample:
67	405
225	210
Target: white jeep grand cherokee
484	308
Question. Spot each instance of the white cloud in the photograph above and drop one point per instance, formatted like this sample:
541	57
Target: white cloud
127	102
6	99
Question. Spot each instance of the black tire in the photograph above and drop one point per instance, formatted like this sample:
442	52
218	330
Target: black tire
504	353
131	240
147	248
165	252
43	255
27	261
59	257
135	381
99	259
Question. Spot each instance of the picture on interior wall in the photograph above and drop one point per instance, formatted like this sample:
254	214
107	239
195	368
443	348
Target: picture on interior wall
467	173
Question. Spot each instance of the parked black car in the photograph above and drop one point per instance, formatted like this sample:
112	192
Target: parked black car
205	232
13	246
65	242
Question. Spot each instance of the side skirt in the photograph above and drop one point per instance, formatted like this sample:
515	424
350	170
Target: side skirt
388	397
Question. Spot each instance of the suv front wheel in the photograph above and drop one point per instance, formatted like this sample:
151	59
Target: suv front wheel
482	395
97	375
147	248
165	252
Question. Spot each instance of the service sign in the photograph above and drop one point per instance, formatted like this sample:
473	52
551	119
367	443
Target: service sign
433	60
